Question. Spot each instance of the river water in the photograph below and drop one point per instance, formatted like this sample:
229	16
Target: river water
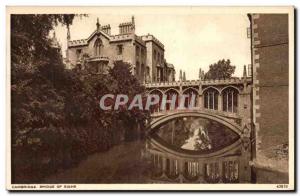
121	164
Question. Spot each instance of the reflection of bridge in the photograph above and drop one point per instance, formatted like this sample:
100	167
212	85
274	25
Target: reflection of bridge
224	101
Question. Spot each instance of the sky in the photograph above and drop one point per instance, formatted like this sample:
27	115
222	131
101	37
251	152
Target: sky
191	41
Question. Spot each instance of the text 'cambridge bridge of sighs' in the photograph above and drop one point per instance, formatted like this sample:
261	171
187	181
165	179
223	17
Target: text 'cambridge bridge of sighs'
208	144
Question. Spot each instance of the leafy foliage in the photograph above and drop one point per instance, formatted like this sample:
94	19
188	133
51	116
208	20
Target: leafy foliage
220	70
56	120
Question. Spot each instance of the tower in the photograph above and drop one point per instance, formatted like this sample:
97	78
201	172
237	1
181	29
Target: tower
133	23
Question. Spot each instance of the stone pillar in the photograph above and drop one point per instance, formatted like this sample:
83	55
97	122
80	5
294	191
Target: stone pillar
220	103
200	97
200	101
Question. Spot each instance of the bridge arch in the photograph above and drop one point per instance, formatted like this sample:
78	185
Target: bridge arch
231	160
214	117
227	150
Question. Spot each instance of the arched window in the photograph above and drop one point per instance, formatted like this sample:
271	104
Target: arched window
97	47
172	168
170	94
212	173
192	97
156	107
191	170
211	99
230	171
230	100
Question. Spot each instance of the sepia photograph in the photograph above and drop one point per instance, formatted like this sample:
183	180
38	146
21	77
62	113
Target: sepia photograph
150	98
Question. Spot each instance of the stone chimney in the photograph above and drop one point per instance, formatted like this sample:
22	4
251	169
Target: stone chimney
106	29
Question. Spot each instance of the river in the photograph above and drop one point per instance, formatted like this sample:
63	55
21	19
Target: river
121	164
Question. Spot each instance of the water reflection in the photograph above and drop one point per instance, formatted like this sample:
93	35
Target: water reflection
195	134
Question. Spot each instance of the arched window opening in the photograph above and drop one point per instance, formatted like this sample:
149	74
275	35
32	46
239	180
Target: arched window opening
230	100
170	94
97	47
156	107
191	99
211	99
230	172
191	170
157	164
212	172
172	168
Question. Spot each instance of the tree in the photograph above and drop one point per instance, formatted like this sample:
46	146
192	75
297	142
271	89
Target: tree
37	96
129	85
220	70
56	118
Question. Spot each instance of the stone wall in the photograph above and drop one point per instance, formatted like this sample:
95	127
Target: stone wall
270	95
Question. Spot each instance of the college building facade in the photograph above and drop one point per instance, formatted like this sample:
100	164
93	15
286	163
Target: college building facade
101	49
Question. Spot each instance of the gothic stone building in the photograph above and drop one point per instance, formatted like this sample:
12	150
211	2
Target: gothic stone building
101	49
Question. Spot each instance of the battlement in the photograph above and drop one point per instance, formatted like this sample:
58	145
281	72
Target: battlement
150	37
198	82
121	37
80	42
125	24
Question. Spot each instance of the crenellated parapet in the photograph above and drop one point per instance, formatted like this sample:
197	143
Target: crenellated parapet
79	42
190	83
150	37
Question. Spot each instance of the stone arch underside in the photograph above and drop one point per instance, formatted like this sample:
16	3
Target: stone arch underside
228	150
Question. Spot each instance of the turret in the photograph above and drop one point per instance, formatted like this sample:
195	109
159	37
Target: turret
98	25
133	23
180	75
245	72
201	74
127	27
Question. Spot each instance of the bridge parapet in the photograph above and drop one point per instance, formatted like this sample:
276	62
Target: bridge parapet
198	82
228	97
